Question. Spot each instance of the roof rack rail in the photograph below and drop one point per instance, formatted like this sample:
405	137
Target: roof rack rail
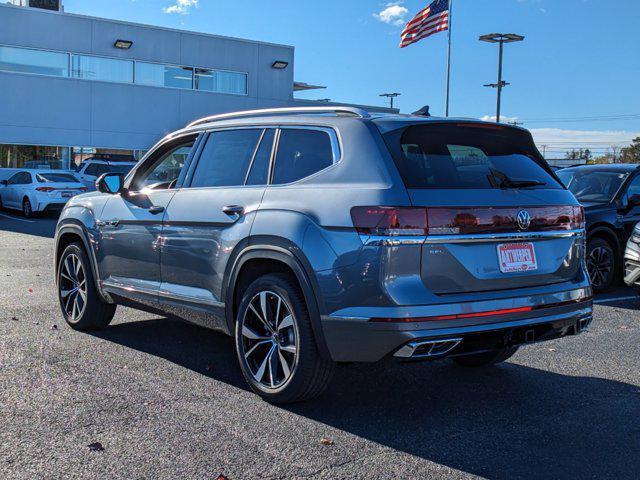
356	112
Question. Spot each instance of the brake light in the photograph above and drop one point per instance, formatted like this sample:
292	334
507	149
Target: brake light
83	189
45	189
390	221
418	221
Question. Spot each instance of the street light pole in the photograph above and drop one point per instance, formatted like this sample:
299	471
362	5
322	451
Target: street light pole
501	39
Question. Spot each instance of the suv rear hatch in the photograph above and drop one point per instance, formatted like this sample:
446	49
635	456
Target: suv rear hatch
495	216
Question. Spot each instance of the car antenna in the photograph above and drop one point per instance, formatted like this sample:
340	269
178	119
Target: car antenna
423	112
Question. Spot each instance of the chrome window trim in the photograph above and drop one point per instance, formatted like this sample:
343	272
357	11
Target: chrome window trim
389	241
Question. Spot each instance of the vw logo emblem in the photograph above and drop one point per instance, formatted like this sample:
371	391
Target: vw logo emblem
524	219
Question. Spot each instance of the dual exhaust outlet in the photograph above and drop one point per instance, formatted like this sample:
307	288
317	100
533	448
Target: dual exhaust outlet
428	348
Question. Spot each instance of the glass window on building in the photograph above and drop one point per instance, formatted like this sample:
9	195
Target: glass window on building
98	68
220	82
27	60
32	156
164	75
82	154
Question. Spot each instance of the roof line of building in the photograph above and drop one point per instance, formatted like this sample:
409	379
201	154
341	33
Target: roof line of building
146	25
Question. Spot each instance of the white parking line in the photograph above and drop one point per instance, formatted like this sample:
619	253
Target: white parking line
16	218
617	299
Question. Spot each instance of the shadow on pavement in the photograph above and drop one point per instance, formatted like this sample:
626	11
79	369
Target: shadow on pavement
509	421
43	225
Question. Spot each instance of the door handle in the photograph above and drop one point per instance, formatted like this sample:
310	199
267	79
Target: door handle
156	210
233	210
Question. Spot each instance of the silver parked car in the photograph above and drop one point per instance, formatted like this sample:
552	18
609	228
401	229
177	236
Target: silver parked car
323	235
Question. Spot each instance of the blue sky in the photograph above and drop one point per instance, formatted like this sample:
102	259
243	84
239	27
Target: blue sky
579	60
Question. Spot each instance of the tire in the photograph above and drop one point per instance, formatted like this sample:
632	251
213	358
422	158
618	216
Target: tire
601	264
486	358
284	343
27	209
82	309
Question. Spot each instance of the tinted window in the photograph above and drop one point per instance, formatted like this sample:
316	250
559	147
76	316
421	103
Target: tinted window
166	169
34	61
55	177
259	174
97	68
593	186
225	158
479	157
22	178
164	75
118	168
222	82
91	169
301	153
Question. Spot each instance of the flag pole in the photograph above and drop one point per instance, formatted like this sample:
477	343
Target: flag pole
449	56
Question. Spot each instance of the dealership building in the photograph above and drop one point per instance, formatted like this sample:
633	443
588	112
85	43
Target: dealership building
74	87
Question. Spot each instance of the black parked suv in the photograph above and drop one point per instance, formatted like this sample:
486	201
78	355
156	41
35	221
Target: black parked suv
610	195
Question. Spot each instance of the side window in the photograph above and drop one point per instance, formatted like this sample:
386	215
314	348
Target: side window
164	171
225	158
301	152
259	174
92	169
633	188
15	180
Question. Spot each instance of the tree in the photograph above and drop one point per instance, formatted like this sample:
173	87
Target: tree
580	154
631	154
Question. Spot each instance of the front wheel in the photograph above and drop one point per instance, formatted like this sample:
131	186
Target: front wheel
81	306
486	358
275	344
601	264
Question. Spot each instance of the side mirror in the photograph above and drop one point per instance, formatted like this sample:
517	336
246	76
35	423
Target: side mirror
634	200
110	183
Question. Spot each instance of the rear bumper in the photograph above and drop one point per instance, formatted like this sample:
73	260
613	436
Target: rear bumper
362	340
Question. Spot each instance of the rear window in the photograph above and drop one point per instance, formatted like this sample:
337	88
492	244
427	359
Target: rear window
479	157
55	177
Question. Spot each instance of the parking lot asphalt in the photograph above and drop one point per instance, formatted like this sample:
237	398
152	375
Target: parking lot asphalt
166	400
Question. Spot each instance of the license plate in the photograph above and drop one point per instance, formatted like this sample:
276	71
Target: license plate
67	194
517	257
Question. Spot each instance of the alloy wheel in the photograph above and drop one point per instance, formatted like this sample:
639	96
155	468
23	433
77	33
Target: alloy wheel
270	339
73	287
599	266
26	208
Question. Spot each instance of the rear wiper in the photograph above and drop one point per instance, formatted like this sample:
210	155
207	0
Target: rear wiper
503	181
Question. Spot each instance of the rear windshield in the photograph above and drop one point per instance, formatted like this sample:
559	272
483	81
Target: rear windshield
467	156
118	168
55	177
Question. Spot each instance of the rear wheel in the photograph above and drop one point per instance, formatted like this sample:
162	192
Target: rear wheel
81	306
486	358
275	343
27	209
601	264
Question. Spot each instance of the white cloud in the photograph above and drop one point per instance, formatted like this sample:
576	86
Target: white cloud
181	7
577	138
503	119
393	14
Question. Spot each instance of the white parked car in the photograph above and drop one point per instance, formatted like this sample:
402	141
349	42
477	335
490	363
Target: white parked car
89	170
33	191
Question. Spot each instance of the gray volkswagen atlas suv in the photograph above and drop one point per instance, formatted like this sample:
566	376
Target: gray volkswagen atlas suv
324	235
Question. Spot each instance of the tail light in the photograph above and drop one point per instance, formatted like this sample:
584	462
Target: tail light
45	189
390	221
420	221
83	189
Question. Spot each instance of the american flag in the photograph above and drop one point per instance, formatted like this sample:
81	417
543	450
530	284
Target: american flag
429	20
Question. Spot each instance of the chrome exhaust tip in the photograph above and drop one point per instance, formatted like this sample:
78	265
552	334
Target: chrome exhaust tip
428	348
